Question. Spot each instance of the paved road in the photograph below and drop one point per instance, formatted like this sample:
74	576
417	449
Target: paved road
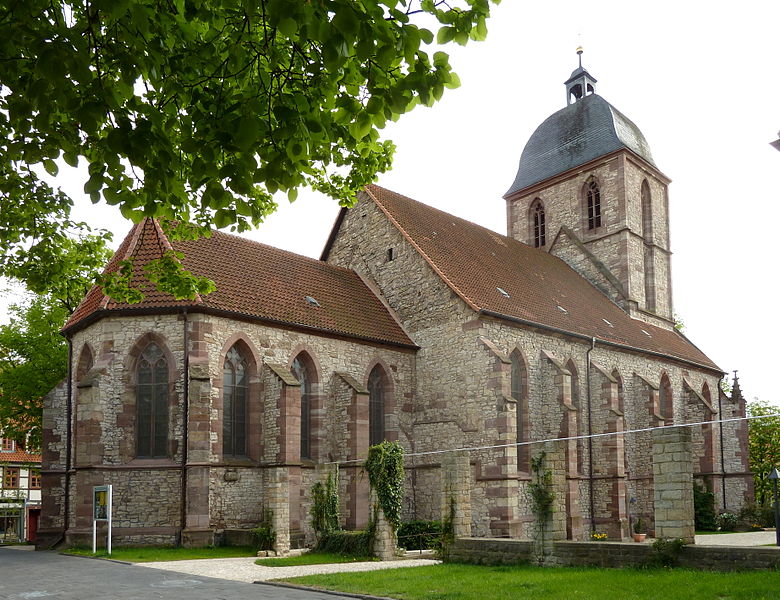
27	575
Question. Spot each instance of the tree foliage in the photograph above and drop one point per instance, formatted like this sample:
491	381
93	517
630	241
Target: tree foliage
764	447
198	111
33	359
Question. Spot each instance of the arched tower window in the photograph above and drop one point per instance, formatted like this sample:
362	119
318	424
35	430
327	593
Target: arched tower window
234	394
152	403
303	370
538	224
593	201
519	382
665	400
377	387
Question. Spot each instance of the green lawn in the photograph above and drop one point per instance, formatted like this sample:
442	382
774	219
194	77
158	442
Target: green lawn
157	554
469	582
311	558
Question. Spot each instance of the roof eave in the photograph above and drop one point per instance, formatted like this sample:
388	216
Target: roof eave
210	310
714	368
530	189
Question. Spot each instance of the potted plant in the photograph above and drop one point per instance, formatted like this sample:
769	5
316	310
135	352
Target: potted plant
640	533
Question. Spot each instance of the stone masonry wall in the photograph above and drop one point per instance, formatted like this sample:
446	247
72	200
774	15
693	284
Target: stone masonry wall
461	398
618	243
223	492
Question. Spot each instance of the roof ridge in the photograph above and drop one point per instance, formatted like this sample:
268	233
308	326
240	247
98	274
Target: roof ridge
249	241
417	247
162	237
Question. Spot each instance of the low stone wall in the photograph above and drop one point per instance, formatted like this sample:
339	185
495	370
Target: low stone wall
491	551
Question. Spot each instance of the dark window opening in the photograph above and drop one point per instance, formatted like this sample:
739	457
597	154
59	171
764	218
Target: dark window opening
376	406
390	254
152	403
594	205
234	394
301	371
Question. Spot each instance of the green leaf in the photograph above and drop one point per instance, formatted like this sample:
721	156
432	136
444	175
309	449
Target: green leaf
51	167
288	26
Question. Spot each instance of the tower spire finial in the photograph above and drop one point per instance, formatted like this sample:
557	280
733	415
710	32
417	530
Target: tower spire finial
579	55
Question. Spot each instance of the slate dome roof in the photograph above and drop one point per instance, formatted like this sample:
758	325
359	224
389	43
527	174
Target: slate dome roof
581	132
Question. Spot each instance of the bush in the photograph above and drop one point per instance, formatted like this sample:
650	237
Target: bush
727	521
350	543
703	508
264	535
666	551
753	516
419	535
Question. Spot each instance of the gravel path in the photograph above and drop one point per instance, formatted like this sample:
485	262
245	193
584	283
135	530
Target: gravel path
245	569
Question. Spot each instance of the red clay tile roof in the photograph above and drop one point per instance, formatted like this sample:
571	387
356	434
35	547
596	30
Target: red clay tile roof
256	281
19	456
475	261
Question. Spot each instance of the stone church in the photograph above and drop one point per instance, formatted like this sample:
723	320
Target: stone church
416	326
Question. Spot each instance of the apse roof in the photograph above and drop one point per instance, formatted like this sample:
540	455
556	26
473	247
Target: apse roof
583	131
254	281
538	288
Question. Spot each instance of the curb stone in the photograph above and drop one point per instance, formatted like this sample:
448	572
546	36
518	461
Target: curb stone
320	590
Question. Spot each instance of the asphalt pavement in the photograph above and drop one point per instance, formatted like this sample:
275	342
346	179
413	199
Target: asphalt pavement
29	575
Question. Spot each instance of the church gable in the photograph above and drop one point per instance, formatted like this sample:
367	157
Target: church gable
569	248
365	238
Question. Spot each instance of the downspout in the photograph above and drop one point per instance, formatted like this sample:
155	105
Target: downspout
722	455
590	436
68	438
185	427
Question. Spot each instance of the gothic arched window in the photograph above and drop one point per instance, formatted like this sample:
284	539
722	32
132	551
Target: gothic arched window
539	229
234	403
377	385
520	395
593	199
666	406
152	403
302	369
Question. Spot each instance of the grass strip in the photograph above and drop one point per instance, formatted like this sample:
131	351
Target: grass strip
165	553
312	558
469	582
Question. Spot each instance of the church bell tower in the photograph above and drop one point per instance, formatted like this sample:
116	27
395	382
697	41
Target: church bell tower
587	190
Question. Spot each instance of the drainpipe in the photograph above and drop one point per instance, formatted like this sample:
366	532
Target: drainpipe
68	438
185	426
722	455
590	438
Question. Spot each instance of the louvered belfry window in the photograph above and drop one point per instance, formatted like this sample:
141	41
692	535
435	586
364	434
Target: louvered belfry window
234	395
540	227
594	205
152	403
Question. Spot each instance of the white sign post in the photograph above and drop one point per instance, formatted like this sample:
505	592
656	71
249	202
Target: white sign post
101	511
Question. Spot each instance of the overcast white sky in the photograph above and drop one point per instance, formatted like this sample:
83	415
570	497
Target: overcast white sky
702	82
